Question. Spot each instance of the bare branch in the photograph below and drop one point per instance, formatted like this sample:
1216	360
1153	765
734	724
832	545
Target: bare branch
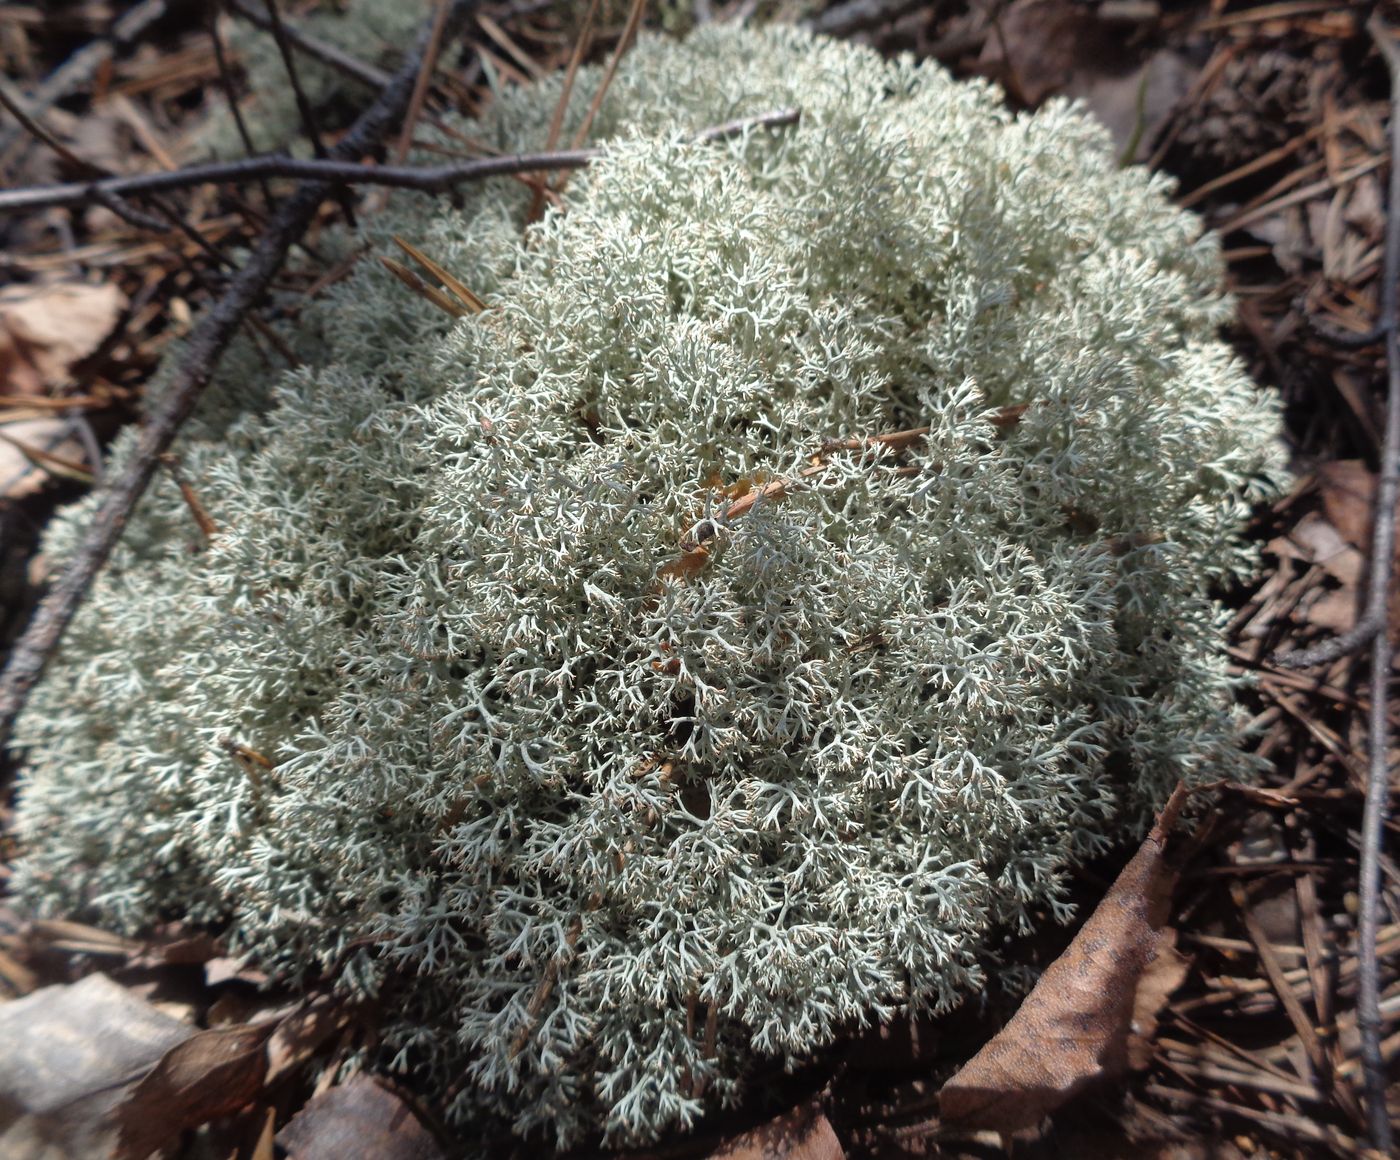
226	83
206	346
425	179
289	63
1373	631
327	54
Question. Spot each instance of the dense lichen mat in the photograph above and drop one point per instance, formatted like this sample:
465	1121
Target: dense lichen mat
590	672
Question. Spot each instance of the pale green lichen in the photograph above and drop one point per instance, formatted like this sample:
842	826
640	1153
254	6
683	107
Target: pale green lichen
369	30
614	834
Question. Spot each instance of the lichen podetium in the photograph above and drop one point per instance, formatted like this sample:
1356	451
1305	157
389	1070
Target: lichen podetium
803	562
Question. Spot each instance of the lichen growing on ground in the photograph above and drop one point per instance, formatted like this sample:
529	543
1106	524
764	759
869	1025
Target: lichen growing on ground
633	713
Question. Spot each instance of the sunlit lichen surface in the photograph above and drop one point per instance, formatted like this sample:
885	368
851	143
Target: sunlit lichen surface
616	828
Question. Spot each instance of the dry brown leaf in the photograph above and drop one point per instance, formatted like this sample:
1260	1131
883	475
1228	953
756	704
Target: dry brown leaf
32	452
1040	47
302	1033
1074	1025
1334	610
222	969
211	1074
1315	541
1164	974
1348	490
358	1118
45	329
71	1053
802	1134
1135	106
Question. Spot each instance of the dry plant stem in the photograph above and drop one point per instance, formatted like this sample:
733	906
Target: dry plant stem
226	83
289	63
327	54
206	346
425	179
420	87
1373	630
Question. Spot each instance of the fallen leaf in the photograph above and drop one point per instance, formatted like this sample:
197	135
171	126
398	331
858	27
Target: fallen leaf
1334	610
33	451
223	969
359	1118
1348	490
1134	107
45	329
802	1134
1315	541
1074	1025
1164	974
211	1074
1041	46
71	1054
302	1033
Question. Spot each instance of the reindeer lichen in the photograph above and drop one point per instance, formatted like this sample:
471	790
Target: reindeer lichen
720	641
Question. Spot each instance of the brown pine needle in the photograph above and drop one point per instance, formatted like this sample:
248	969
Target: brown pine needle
201	515
629	33
58	466
556	123
456	286
422	289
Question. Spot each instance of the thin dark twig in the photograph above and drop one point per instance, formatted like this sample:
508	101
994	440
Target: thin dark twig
1373	630
1368	1003
112	200
43	136
206	346
226	83
425	179
855	15
304	110
289	62
327	54
129	213
1376	610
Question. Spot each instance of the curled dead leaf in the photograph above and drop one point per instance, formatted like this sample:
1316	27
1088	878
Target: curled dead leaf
71	1055
1074	1026
359	1118
802	1134
45	329
211	1074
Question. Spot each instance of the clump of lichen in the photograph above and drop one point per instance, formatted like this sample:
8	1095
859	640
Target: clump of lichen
624	784
368	30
